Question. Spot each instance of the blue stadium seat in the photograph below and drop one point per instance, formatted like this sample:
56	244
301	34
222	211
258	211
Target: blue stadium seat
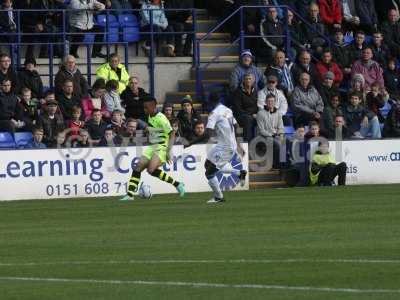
289	130
128	20
89	38
22	138
6	141
130	34
113	27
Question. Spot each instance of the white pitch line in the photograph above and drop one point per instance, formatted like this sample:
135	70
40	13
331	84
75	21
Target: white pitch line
207	285
208	261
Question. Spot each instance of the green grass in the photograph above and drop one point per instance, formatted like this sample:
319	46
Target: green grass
312	224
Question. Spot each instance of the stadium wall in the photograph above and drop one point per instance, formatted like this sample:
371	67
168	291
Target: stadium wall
98	172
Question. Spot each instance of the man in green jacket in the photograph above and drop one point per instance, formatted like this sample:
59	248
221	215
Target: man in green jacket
114	70
323	168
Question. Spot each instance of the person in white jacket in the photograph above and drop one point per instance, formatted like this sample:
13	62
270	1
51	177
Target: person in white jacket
281	103
81	21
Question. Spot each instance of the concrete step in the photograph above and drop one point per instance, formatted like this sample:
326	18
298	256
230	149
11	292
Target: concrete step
206	25
190	85
218	49
220	36
268	176
176	97
213	73
264	185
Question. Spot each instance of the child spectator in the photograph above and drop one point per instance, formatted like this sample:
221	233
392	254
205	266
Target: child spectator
75	124
36	142
83	140
29	108
110	138
117	122
96	126
60	141
111	97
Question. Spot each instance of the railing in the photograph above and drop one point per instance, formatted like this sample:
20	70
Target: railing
242	36
65	35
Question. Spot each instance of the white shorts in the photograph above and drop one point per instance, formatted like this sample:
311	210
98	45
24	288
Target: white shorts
220	156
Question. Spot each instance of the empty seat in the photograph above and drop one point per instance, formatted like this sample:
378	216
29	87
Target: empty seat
6	140
289	130
128	20
111	27
22	138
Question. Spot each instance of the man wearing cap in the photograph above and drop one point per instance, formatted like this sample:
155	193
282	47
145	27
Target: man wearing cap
51	121
187	117
327	88
30	78
327	65
244	67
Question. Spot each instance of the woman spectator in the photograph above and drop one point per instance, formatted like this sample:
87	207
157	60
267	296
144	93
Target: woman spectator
95	101
132	99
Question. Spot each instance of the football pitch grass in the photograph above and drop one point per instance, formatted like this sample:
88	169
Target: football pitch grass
312	243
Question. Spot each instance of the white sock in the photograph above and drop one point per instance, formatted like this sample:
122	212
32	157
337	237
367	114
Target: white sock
228	169
214	184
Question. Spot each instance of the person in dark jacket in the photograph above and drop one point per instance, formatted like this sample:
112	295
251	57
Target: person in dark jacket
331	110
132	99
304	65
7	72
340	53
187	117
96	126
368	17
36	142
8	21
51	122
67	100
391	31
30	78
391	76
392	122
327	89
180	21
110	138
313	31
29	108
302	7
10	112
355	49
282	71
379	48
69	70
244	101
376	99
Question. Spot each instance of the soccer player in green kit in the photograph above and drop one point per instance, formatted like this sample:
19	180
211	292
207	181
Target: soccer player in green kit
161	139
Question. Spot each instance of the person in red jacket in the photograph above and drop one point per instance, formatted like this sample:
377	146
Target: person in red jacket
331	13
328	65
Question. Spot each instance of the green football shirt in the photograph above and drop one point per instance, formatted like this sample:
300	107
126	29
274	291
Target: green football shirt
159	129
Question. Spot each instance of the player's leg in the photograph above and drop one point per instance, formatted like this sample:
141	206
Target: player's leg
211	171
153	168
227	168
134	181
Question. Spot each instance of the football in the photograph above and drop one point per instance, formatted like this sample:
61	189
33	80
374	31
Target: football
145	191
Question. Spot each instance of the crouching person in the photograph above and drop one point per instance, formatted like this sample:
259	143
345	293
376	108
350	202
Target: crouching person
324	170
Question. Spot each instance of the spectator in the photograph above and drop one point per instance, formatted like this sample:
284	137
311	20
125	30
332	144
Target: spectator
331	13
176	128
355	49
96	126
117	122
244	67
96	100
340	52
30	78
199	136
341	131
114	70
181	21
314	131
111	97
51	121
270	125
83	140
271	26
10	112
8	22
160	24
168	111
67	100
392	123
380	50
60	141
327	89
75	124
358	85
304	65
281	70
367	14
391	32
271	88
110	138
244	101
328	65
360	123
369	68
29	108
307	102
323	168
129	135
294	28
383	6
187	117
81	21
332	109
314	30
376	99
351	21
392	79
36	142
132	99
69	70
7	72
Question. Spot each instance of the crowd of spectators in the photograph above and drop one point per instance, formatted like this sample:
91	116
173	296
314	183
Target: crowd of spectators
342	70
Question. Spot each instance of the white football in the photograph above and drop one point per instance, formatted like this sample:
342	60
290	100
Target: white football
145	191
